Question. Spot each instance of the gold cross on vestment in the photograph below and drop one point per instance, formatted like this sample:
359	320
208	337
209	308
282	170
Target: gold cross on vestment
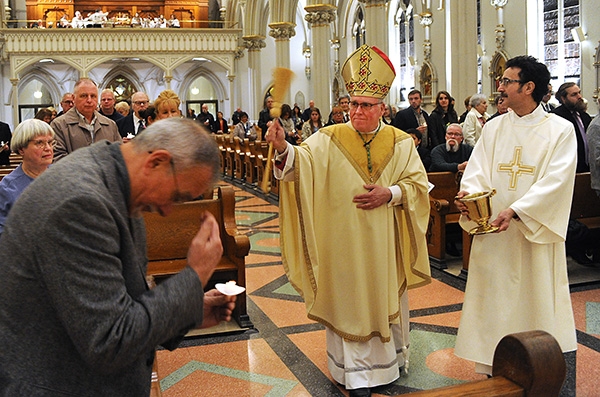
516	168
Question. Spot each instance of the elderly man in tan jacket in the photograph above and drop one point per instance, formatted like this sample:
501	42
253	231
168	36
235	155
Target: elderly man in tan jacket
82	125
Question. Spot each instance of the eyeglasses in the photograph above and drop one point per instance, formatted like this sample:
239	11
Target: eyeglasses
505	81
365	106
140	103
41	144
454	134
68	102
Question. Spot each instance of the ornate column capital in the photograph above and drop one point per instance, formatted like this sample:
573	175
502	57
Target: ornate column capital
282	30
499	3
239	52
426	18
374	3
500	36
254	42
320	14
14	82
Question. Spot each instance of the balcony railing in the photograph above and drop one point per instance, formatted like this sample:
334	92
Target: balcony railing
117	40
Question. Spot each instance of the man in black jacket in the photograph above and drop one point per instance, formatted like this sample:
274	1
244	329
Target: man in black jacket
414	117
133	123
573	109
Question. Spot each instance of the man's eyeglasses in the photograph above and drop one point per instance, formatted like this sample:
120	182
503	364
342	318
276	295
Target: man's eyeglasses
41	144
505	81
68	102
140	103
363	105
454	134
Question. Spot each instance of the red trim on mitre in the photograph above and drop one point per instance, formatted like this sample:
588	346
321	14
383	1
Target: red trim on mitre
385	58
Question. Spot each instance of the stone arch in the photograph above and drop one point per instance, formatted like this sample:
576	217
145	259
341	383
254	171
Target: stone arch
47	79
219	87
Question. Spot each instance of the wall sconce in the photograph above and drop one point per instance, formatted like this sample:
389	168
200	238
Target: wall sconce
37	94
578	34
306	53
195	91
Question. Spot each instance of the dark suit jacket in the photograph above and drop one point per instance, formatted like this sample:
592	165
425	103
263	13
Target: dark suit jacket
125	125
216	127
115	116
77	318
406	119
565	113
5	136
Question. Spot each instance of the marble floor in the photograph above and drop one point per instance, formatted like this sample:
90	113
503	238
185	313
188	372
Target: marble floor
284	354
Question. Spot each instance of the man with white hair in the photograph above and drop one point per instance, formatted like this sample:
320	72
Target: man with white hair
453	155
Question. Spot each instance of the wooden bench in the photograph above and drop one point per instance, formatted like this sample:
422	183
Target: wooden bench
586	204
443	212
168	240
525	364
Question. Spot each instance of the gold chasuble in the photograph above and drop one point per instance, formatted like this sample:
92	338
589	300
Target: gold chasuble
326	241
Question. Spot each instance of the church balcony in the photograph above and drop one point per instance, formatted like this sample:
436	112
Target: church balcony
86	48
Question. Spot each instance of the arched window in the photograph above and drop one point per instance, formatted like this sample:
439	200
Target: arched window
406	40
202	92
562	53
32	97
358	29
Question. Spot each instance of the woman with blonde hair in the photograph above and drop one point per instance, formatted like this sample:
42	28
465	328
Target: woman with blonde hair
167	105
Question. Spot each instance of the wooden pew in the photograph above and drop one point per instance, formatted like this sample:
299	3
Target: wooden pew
168	240
443	212
586	204
239	159
222	151
525	364
250	161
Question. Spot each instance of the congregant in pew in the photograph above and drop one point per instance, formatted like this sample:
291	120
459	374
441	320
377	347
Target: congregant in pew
424	153
83	124
593	136
77	317
167	105
518	275
453	155
244	129
34	140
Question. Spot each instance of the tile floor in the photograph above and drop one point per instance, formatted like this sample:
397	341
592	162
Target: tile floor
284	355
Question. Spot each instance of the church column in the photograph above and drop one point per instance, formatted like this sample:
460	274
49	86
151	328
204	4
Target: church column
236	89
168	79
320	17
15	102
463	46
232	94
254	44
376	19
282	32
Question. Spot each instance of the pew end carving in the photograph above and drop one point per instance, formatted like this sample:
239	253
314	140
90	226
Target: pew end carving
168	240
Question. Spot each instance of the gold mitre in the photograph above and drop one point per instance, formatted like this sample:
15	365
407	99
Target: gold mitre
368	72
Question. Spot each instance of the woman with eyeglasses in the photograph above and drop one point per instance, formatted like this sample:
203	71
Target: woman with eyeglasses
34	140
